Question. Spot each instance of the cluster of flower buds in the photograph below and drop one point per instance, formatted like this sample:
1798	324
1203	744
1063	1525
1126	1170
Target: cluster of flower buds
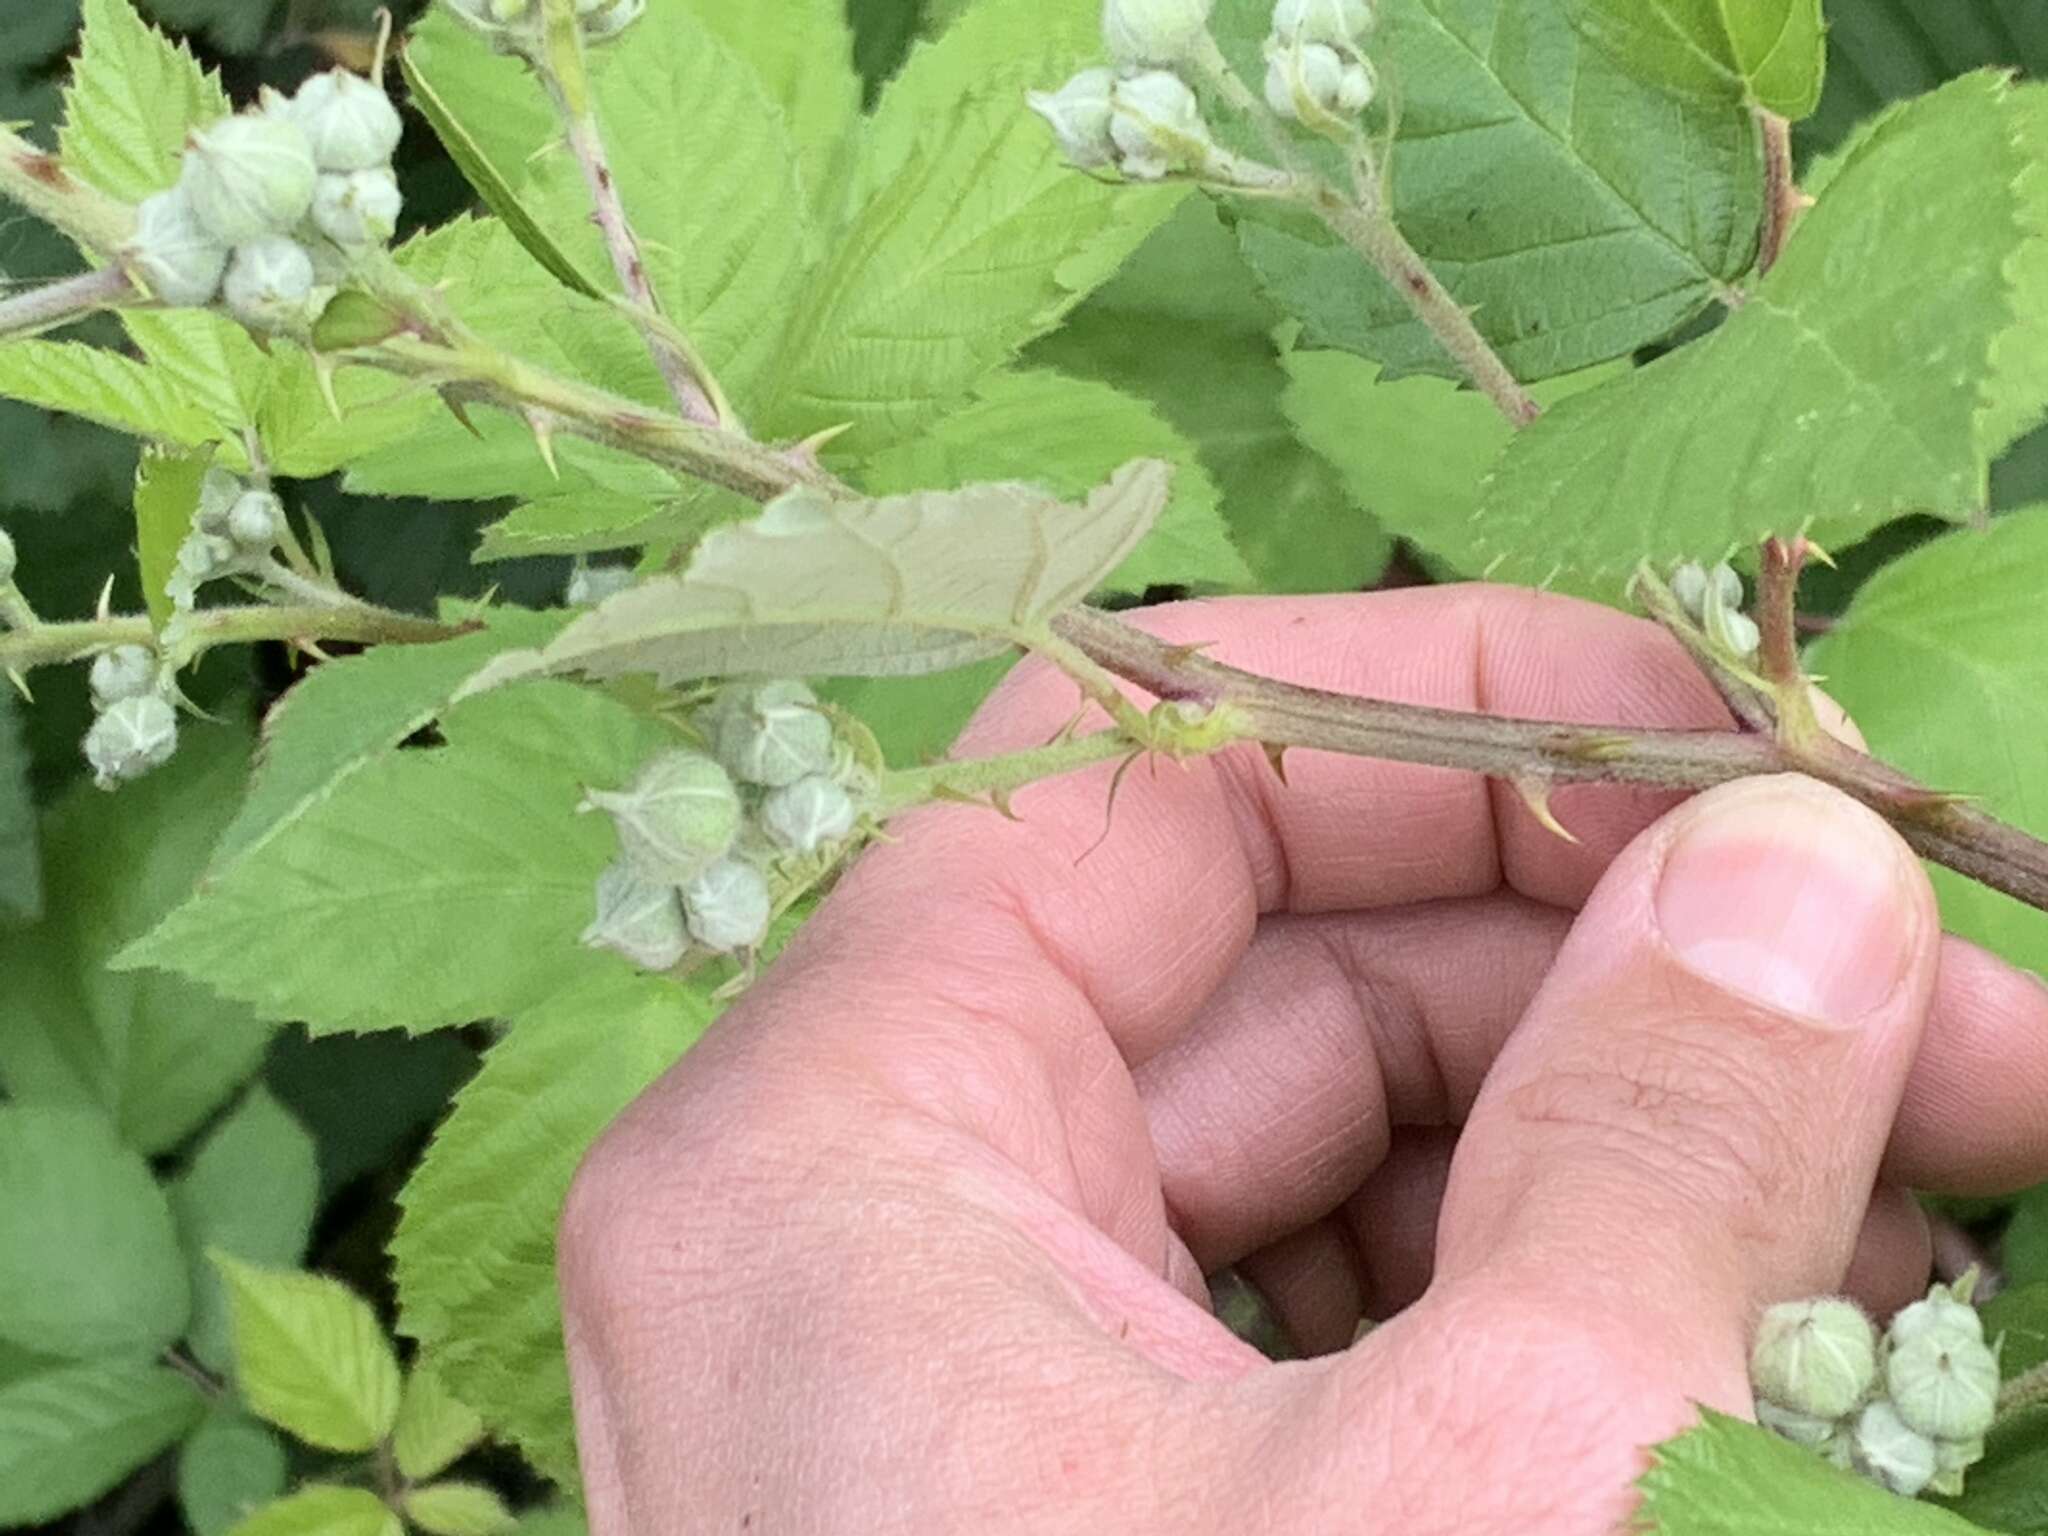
271	203
701	833
1317	72
236	529
1714	599
515	24
135	724
1908	1411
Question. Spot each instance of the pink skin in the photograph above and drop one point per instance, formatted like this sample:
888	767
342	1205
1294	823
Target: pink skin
913	1240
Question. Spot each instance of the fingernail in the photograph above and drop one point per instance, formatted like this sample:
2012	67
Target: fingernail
1793	895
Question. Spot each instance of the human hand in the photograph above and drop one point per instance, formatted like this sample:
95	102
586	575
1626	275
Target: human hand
914	1238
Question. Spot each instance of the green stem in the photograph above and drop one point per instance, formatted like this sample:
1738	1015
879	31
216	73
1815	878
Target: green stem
195	633
972	778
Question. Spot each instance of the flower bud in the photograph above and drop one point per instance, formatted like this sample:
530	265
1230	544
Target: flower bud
256	521
1807	1429
1944	1384
1156	125
219	490
1079	114
349	122
202	557
7	558
173	253
771	734
1153	32
728	906
494	17
603	20
640	919
131	737
1312	83
1338	24
806	815
249	176
125	672
679	815
1816	1357
1939	1315
268	283
357	208
594	583
1890	1452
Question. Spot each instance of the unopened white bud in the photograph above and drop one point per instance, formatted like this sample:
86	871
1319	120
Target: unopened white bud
680	813
1339	24
495	18
358	208
1153	32
1156	125
125	672
268	283
1944	1384
1079	114
771	734
349	123
174	253
130	738
603	20
808	814
1815	1357
1312	83
638	918
256	521
249	176
219	490
202	557
728	906
1807	1429
1889	1451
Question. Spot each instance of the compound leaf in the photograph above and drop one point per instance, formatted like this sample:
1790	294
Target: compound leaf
105	387
133	95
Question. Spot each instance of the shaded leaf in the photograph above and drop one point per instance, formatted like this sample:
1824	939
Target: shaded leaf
166	498
21	872
70	1433
229	1467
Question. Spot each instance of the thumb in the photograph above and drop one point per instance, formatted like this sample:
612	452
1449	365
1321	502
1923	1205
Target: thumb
1690	1117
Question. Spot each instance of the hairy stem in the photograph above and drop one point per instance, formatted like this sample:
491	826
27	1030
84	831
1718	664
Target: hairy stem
1783	202
361	624
559	63
50	305
995	777
38	181
1372	232
1937	826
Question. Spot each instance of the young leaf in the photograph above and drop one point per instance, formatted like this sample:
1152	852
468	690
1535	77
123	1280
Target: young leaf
210	362
71	1432
1413	452
475	1248
166	497
133	95
470	851
1579	212
1728	1478
323	1509
888	587
1183	327
1069	435
105	387
21	873
310	1356
1766	53
1843	394
229	1467
1939	654
89	1260
250	1191
434	1427
458	1509
589	522
153	1051
347	712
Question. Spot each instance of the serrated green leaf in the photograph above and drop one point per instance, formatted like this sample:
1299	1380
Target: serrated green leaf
804	63
589	522
250	1191
152	1050
434	1427
1728	1478
310	1356
1183	327
874	588
345	713
210	363
554	1520
1413	452
1942	652
915	719
1844	393
348	917
133	95
458	1509
1579	213
1069	435
70	1433
166	497
1768	53
104	387
21	868
89	1260
228	1468
323	1509
475	1247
